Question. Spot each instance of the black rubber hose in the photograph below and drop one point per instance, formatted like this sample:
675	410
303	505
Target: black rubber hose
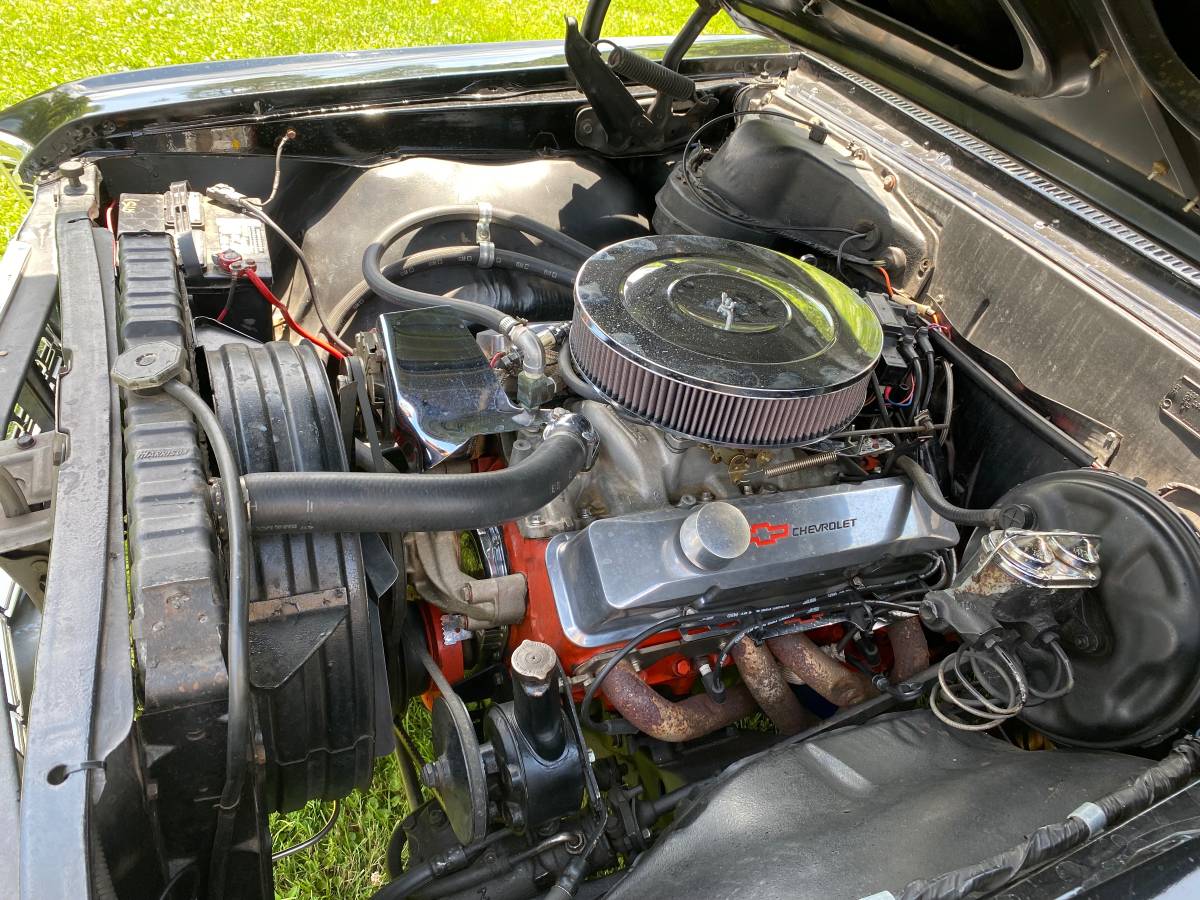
407	760
881	401
237	653
691	30
406	883
385	503
572	379
927	487
918	377
416	877
930	365
593	19
467	255
473	312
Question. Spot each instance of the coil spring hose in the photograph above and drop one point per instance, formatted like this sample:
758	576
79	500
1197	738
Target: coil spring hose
645	71
978	688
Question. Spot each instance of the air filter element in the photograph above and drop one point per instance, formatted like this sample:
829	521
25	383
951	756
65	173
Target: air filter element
723	342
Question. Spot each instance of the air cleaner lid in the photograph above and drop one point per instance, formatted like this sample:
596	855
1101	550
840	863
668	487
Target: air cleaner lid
727	316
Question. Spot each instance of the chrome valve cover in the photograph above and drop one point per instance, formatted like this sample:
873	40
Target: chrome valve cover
616	576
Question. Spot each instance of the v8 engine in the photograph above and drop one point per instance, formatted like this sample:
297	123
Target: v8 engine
660	487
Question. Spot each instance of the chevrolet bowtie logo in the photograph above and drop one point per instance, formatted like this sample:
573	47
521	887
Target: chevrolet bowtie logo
764	534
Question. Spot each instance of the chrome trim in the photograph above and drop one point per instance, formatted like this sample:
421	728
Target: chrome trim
491	548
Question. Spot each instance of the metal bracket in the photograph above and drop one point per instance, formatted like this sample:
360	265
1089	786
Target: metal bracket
32	461
438	577
619	115
675	129
286	631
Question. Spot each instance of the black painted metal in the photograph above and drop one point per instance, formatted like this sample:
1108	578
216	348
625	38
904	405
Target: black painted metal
1054	110
120	816
115	113
56	849
1137	682
177	584
1154	855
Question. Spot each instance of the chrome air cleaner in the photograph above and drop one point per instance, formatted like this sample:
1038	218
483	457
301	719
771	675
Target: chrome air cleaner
723	342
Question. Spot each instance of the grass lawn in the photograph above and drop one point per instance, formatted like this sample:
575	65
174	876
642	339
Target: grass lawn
46	42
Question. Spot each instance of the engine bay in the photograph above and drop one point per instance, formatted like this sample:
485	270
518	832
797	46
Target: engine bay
664	481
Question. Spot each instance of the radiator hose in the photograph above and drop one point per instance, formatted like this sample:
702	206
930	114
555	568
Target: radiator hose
385	502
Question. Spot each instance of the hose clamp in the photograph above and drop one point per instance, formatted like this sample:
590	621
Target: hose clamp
579	429
1091	816
487	255
483	228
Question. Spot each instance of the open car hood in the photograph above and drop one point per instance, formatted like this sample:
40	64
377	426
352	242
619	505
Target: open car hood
1093	95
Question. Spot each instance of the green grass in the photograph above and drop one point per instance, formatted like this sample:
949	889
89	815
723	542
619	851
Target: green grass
47	42
349	862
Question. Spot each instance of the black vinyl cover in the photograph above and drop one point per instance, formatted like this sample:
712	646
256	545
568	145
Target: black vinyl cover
866	809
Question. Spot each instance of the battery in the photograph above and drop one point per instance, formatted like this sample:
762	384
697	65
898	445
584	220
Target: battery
201	231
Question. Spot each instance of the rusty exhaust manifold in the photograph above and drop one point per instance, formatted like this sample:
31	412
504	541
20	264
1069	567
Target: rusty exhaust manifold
838	684
667	720
684	720
764	686
910	649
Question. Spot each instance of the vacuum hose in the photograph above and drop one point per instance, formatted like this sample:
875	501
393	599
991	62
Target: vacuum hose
927	487
473	312
385	502
522	337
